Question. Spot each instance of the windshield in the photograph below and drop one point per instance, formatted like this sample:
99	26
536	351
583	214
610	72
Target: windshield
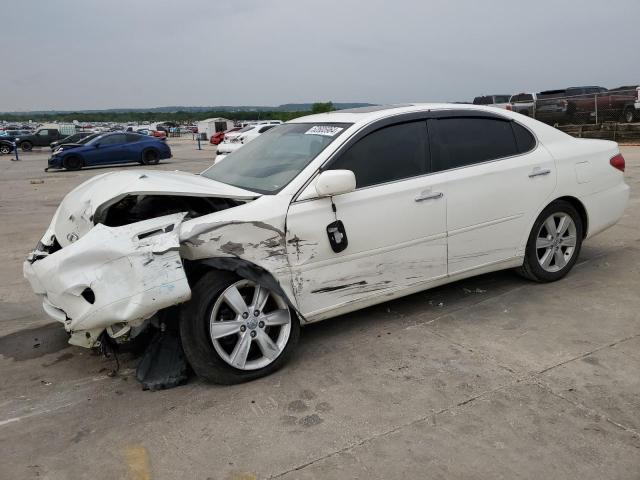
88	138
268	163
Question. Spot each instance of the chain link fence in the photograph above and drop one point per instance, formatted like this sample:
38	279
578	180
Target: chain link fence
592	112
560	107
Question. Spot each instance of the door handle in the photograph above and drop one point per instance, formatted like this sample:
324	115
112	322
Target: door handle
428	196
538	173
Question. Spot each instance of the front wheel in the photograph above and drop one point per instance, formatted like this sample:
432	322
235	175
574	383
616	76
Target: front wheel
234	330
72	163
5	149
554	243
150	157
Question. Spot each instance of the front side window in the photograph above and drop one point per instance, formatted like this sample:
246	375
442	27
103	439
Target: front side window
112	140
385	155
462	141
43	133
268	163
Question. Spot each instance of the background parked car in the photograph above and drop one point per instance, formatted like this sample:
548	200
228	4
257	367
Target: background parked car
78	143
218	137
500	101
43	137
70	139
523	103
111	148
245	136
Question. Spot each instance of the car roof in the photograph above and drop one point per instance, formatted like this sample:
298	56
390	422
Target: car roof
369	114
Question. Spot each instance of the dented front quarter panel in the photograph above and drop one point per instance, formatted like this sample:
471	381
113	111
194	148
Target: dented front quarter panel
133	271
254	232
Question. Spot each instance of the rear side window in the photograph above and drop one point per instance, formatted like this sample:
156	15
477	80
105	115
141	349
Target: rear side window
112	140
391	153
132	137
460	141
524	139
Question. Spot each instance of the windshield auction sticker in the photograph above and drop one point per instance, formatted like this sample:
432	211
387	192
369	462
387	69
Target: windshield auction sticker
324	130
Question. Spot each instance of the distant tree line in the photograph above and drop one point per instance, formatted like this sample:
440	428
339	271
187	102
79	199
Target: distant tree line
179	117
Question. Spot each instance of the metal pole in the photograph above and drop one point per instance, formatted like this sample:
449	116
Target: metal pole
595	100
15	149
199	147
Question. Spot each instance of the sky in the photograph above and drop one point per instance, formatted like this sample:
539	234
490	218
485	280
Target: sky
96	54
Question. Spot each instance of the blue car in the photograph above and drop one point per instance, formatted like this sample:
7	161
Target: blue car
108	149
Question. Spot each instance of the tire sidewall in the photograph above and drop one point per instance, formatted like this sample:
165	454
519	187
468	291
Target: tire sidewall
196	342
75	158
5	150
531	258
153	161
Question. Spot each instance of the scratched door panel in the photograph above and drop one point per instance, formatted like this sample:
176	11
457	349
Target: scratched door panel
394	242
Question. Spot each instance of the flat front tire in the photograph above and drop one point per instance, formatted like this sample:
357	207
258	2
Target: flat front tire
234	330
554	243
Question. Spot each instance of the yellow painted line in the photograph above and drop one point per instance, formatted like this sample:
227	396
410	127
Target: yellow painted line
138	462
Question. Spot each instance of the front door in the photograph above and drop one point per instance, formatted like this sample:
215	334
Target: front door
394	226
110	150
495	178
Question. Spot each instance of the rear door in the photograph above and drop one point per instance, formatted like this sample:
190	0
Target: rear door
394	224
495	178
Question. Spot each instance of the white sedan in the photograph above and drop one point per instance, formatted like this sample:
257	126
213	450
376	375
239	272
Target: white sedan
237	139
321	216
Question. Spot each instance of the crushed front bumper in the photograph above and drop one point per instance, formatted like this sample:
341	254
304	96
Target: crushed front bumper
111	276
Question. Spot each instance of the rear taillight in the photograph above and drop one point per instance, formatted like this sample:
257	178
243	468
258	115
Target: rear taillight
509	107
617	162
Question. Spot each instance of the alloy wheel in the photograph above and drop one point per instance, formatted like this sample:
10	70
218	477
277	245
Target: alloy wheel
249	325
556	242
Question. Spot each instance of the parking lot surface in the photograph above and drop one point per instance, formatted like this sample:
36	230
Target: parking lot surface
490	377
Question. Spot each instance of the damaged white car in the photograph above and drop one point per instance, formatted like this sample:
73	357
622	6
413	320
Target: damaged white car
318	217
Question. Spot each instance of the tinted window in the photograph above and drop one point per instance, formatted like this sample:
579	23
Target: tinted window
524	139
132	137
388	154
464	141
112	140
501	98
264	129
43	133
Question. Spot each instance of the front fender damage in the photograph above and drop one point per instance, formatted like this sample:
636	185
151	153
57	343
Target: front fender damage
111	276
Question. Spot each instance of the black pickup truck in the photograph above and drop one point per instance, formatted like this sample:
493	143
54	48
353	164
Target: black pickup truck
43	137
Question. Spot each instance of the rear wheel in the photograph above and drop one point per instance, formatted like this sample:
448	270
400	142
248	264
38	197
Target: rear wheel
72	163
26	146
234	330
554	243
150	157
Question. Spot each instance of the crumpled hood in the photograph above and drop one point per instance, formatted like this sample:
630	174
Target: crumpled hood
74	217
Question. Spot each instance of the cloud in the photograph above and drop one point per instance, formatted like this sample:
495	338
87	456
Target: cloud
73	54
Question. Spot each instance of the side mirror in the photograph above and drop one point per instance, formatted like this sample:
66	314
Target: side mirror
335	182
